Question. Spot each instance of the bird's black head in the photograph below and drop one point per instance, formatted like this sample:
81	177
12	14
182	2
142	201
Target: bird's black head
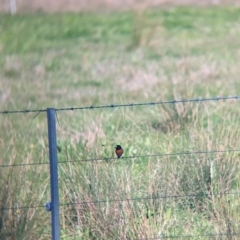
118	147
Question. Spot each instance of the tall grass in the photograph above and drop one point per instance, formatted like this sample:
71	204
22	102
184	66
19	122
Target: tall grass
85	59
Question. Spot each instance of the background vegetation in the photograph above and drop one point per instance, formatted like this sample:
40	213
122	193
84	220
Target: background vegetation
67	59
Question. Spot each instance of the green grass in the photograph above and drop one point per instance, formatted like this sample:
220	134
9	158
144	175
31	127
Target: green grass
67	60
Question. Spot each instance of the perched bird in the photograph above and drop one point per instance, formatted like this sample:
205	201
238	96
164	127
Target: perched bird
119	151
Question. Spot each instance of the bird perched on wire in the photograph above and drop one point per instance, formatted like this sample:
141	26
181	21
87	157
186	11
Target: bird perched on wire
119	151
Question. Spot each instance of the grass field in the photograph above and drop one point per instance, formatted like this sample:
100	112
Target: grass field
72	60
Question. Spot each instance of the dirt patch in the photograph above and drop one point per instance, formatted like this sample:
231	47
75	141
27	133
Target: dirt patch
96	5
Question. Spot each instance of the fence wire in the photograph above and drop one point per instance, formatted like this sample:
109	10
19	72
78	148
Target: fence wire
211	235
206	195
130	105
107	159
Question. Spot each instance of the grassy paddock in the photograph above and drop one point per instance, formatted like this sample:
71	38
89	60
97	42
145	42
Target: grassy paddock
63	60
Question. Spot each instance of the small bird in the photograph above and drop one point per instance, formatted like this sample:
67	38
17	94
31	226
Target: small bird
119	151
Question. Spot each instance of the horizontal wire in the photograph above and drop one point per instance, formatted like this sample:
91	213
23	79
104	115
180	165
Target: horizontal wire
129	157
150	103
23	111
153	155
197	100
191	236
128	200
23	207
23	164
149	198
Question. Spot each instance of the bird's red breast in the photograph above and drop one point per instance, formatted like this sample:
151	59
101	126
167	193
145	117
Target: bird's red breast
119	151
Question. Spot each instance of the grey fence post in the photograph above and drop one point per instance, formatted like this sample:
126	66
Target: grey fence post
54	205
13	6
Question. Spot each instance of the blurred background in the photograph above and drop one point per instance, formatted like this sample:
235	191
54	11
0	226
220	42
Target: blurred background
93	5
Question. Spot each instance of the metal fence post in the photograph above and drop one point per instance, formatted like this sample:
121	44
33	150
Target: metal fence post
54	205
